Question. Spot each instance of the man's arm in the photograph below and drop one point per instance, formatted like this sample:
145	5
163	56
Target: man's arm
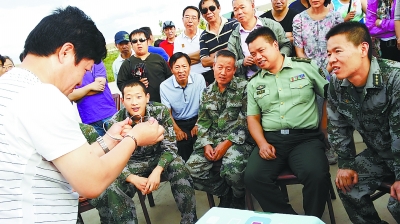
95	87
232	42
168	144
204	123
208	61
124	74
194	57
289	35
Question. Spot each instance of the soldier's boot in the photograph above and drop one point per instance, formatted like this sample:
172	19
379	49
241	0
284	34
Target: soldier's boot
238	203
226	200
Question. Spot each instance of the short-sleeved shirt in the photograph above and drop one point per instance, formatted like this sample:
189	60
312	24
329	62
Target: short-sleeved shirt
212	42
117	65
297	6
184	102
286	22
189	45
100	105
286	100
160	51
168	47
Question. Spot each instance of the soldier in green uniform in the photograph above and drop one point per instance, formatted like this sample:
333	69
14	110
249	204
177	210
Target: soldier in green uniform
222	133
283	120
364	95
147	164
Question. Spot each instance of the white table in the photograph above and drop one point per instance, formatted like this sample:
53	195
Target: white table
235	216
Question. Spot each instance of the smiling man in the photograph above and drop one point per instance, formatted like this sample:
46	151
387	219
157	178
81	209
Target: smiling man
364	95
282	118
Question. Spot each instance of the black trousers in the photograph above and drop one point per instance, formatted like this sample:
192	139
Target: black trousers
389	50
305	155
185	147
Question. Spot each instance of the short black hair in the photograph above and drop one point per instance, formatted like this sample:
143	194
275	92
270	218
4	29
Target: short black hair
68	25
215	1
176	56
157	42
263	31
355	32
21	56
139	31
147	29
225	53
191	7
2	59
131	83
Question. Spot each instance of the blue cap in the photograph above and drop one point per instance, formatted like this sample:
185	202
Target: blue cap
121	36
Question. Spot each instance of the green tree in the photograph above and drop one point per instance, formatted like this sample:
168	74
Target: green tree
202	24
162	30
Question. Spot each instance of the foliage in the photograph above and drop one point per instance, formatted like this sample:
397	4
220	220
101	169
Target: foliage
202	24
111	56
160	23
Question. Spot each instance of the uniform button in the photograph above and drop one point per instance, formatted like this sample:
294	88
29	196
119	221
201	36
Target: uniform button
282	117
281	103
277	76
280	89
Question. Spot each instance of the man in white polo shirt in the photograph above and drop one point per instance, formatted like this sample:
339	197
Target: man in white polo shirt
124	47
189	40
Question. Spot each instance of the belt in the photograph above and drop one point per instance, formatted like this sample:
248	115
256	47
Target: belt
294	131
190	119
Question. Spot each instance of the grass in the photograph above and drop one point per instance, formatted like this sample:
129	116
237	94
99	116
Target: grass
111	56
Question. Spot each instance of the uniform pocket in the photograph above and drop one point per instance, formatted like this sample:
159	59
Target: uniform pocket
301	91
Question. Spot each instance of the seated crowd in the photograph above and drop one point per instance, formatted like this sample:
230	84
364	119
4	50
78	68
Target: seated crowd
233	94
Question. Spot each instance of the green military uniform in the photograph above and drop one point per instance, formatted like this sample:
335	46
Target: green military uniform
115	205
373	111
222	116
289	118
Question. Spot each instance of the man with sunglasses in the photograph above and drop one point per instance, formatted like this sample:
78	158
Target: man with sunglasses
188	41
151	69
168	43
216	35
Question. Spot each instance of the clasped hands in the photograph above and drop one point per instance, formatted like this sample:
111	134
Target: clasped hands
215	154
149	184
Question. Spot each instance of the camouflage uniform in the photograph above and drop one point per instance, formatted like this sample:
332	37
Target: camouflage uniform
374	113
222	116
115	205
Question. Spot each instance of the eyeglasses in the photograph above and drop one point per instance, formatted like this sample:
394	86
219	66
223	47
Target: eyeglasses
134	41
9	67
190	17
211	8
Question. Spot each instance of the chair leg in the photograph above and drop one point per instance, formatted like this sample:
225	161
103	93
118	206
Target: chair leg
249	201
330	209
80	217
151	200
284	192
332	191
142	198
210	198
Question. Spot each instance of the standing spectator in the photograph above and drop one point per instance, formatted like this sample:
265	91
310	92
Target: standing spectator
189	40
45	160
149	68
300	5
93	97
380	22
282	14
2	61
222	135
351	10
153	49
8	64
363	95
168	43
216	35
181	94
125	49
245	13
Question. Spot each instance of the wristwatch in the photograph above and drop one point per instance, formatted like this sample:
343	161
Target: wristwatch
102	144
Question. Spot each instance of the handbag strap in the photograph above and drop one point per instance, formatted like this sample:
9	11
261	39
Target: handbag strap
348	10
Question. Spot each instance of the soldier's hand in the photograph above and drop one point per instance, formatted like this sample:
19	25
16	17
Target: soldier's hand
267	151
395	190
180	135
221	149
209	152
145	82
154	180
346	179
139	182
148	133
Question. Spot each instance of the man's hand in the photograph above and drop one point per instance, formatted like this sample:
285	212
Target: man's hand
119	129
378	22
147	133
194	130
180	135
154	180
395	190
139	182
145	82
221	149
346	179
97	85
248	61
209	152
349	16
267	151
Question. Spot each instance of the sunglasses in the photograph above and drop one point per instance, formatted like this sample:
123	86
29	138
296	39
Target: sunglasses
211	8
134	41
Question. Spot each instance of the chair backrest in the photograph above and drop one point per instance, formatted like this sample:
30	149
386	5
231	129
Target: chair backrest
117	99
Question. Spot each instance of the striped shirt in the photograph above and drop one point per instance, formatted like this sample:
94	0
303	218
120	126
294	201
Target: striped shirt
211	42
36	126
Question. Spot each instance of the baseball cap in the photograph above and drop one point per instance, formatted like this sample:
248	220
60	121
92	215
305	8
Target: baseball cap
121	36
167	24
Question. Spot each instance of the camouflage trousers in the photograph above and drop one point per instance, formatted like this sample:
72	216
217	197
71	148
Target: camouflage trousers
230	175
115	205
371	169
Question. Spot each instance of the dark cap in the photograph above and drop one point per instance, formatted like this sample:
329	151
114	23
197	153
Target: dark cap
167	24
121	36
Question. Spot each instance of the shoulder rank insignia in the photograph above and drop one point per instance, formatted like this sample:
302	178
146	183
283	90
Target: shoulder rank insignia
377	81
323	72
297	77
308	60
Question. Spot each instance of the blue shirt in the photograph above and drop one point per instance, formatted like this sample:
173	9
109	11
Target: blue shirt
184	102
160	51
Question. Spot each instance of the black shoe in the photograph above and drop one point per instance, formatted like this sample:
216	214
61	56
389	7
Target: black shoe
226	200
238	203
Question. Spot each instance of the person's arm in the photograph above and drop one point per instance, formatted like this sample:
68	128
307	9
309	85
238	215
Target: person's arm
206	59
204	123
168	144
194	57
237	132
297	36
124	74
376	25
88	90
232	43
397	28
289	35
364	6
